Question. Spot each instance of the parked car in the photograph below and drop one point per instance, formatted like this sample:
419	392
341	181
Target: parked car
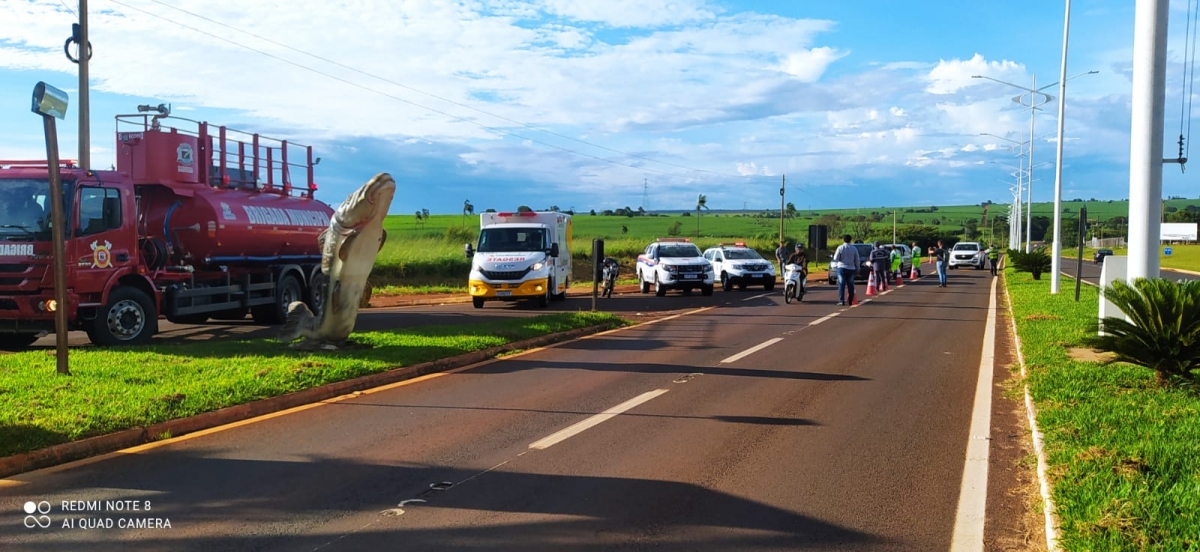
738	265
968	254
1100	255
864	268
674	263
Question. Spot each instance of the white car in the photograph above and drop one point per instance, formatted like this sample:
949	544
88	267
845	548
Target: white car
738	265
968	254
674	263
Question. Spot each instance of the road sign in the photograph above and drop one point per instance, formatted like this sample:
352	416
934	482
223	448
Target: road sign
1167	251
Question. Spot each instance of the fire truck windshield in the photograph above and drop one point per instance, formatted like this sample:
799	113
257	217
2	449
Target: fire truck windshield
501	240
24	215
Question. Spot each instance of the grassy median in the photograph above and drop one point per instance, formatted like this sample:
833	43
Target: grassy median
115	389
1123	453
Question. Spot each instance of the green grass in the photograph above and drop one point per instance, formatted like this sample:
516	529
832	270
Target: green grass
115	389
1123	453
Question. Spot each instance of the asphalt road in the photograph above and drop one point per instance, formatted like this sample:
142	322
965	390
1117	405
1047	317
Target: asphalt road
754	425
1091	271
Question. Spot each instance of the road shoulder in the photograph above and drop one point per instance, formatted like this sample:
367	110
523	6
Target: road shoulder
1014	516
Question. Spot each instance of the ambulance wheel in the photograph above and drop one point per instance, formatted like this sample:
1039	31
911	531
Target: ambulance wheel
16	341
129	318
562	296
287	292
544	300
477	302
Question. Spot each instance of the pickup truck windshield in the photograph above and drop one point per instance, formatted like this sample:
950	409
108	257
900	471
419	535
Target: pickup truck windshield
678	250
742	254
510	240
24	215
966	247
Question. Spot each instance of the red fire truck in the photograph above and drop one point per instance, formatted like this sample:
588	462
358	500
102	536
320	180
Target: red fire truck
196	222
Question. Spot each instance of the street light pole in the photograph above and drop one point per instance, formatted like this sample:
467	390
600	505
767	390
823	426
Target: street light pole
1146	137
1055	259
51	104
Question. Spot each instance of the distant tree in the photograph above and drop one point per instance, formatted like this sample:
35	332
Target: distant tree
675	228
553	208
592	212
524	209
489	210
641	211
701	203
624	229
420	219
606	213
467	209
790	210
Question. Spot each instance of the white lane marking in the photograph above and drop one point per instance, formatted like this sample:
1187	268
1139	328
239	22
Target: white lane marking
752	350
824	318
972	498
756	297
573	430
1084	279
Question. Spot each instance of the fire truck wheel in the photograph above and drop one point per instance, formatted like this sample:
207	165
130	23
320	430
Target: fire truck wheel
129	318
16	341
287	292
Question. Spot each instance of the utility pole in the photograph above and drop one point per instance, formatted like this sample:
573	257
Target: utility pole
645	195
782	185
85	52
1146	137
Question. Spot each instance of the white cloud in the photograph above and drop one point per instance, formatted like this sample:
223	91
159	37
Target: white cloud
897	112
631	13
953	75
752	169
809	65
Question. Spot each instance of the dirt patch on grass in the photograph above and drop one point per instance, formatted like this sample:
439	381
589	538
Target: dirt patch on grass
1042	317
1089	355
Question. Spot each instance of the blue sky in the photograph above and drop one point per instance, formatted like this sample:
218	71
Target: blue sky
861	104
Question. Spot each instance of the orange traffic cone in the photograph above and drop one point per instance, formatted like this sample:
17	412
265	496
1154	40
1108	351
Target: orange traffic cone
899	278
883	284
871	283
913	275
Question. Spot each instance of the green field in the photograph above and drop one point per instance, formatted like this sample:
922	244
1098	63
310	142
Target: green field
1121	451
115	389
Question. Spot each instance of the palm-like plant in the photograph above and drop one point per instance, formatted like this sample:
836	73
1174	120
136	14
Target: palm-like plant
468	209
701	203
1034	262
1163	329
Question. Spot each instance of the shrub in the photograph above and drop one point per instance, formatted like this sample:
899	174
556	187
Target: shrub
1163	330
675	228
1035	262
459	234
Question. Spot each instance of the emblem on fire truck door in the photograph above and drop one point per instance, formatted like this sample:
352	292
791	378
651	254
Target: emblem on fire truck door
101	257
183	156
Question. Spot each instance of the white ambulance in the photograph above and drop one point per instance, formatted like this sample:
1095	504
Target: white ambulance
523	255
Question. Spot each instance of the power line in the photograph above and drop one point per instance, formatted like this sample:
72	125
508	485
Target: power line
407	87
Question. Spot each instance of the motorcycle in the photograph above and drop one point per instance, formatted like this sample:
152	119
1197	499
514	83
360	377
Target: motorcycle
794	283
609	276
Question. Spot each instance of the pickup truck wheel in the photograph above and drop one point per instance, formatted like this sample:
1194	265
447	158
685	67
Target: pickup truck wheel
16	341
129	318
286	292
770	285
643	286
726	284
659	289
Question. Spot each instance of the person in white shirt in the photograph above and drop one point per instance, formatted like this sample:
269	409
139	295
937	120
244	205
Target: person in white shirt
846	261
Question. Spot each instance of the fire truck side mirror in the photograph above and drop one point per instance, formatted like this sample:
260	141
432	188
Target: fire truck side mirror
469	251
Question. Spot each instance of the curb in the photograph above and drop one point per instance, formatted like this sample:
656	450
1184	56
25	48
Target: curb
102	444
1038	446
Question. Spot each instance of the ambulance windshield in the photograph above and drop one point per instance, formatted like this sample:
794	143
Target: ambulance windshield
510	240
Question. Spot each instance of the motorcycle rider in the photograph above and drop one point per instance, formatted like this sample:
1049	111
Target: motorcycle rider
799	258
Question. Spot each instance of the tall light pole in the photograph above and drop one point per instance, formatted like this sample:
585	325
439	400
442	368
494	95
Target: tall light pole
1020	175
51	104
782	185
1146	137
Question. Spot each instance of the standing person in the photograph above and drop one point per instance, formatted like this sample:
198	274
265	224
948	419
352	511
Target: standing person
994	256
942	257
846	260
916	255
879	264
896	261
781	255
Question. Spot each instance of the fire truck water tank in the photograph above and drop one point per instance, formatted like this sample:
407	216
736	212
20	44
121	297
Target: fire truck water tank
215	226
